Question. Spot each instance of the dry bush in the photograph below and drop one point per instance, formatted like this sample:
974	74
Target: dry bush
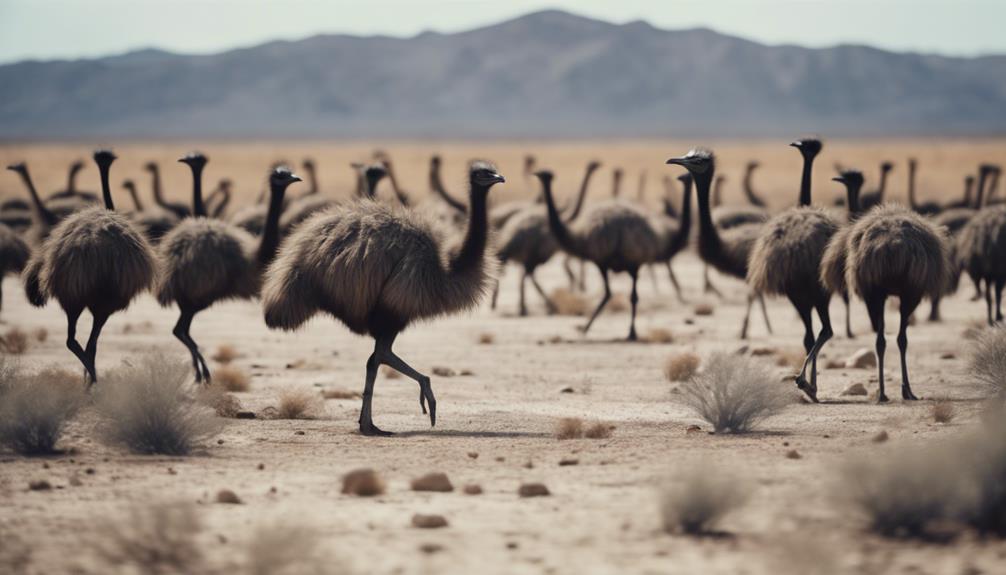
486	338
659	335
599	431
363	483
286	549
697	500
146	407
15	553
569	303
340	394
157	539
981	474
231	378
988	360
295	403
943	411
901	492
216	398
681	366
704	309
35	408
734	393
569	428
41	334
225	354
14	342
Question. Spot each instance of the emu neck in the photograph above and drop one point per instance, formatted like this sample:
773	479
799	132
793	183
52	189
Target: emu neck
852	200
616	185
749	189
106	189
993	187
969	184
883	185
580	197
222	206
71	180
437	185
555	223
718	193
686	209
403	198
137	204
155	175
911	186
982	176
270	235
474	245
805	179
43	212
709	238
312	180
198	207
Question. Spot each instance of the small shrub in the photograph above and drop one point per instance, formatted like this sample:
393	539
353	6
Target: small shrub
486	338
216	398
981	497
697	500
146	406
734	393
943	411
569	428
231	378
363	483
225	354
598	431
659	335
157	539
569	303
704	309
286	549
15	553
988	360
35	408
14	342
297	403
681	366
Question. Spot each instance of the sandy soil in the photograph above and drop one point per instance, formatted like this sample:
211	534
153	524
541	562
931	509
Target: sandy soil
602	516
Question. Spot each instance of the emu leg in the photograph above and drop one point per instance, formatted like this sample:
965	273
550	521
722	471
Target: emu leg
674	282
707	285
906	313
823	336
988	303
367	426
978	287
386	356
875	306
747	316
496	293
934	310
570	276
1	297
181	333
764	313
71	339
848	316
999	299
582	282
604	300
634	300
92	343
549	304
523	304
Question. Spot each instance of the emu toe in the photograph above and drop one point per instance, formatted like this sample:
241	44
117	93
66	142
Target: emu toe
370	430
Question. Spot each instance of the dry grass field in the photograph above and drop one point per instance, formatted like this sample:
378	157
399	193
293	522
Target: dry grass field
507	400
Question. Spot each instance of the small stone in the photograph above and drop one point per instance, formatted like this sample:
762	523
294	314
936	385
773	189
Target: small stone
533	490
529	464
881	437
229	497
834	364
693	429
220	442
856	389
298	432
261	466
760	351
862	359
793	454
362	482
949	355
473	454
40	485
565	462
428	521
245	415
89	471
511	545
431	548
433	482
75	481
567	390
442	371
473	489
466	373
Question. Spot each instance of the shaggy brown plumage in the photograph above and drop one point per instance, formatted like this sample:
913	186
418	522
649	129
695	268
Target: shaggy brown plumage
892	251
95	259
205	260
981	250
377	269
252	218
14	254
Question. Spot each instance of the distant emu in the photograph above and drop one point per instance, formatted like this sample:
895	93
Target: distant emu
95	259
377	269
14	253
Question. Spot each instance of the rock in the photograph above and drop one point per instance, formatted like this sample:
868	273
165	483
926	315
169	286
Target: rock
473	489
949	355
793	454
759	351
834	364
567	461
473	454
229	497
862	359
428	521
533	490
442	371
693	429
856	389
362	482
467	372
433	482
245	415
881	437
298	432
567	390
431	548
40	485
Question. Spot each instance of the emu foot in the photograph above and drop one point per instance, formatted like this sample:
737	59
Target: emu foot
882	398
907	395
370	430
803	385
426	396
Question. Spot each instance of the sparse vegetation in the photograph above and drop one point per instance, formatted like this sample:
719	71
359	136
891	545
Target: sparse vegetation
943	411
697	500
35	408
599	431
486	338
147	407
161	538
340	394
734	393
704	309
569	303
296	403
981	498
659	335
225	354
569	428
286	549
681	366
988	360
216	398
14	342
231	378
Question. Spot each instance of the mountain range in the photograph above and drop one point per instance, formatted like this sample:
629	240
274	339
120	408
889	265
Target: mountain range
548	74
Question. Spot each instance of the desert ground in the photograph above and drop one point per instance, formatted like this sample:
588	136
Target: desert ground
496	424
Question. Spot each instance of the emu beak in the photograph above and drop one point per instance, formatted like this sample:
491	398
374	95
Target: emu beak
796	144
677	161
295	178
498	178
838	179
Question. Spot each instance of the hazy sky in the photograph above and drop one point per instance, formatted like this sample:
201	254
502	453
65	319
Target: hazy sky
85	28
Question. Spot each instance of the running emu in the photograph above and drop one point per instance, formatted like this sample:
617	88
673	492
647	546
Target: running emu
378	268
95	259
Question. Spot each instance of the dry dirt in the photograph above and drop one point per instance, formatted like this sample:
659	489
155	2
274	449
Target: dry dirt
602	515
